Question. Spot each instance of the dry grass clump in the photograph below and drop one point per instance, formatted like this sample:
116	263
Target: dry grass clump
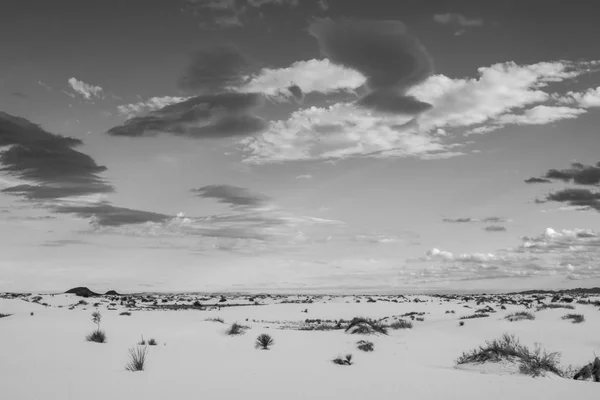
362	326
365	345
236	329
215	319
97	336
519	316
264	341
553	306
575	318
152	342
401	324
127	313
4	315
472	316
137	358
347	360
531	362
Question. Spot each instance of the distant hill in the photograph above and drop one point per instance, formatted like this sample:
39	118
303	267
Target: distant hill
594	290
112	293
82	292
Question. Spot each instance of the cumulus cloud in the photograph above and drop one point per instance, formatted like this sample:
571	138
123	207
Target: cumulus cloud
577	198
457	19
578	173
231	195
586	99
201	117
569	254
85	89
502	94
152	104
383	51
314	75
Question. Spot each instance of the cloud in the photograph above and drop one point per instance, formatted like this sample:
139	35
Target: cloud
469	219
201	117
231	195
53	174
314	75
587	99
456	19
502	94
230	13
461	220
495	228
576	198
152	104
383	51
214	69
578	173
537	180
307	176
85	89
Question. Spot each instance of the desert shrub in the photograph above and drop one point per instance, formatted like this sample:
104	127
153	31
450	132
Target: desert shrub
365	345
359	325
472	316
6	315
461	323
142	342
137	358
236	329
264	341
125	313
401	324
554	305
347	360
152	342
531	362
520	315
97	336
420	319
215	319
575	318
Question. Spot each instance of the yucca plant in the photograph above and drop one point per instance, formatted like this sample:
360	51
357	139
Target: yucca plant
137	358
264	341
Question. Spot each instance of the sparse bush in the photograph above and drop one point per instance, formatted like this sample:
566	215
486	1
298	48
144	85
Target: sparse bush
420	319
347	360
216	319
264	341
461	323
472	316
7	315
575	318
125	313
531	362
137	358
97	336
554	305
365	345
152	342
236	329
520	315
32	313
401	324
360	325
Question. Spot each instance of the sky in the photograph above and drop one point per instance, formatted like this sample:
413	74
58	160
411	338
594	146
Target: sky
299	145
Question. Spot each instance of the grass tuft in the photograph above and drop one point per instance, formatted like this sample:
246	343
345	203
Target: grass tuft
575	318
365	345
236	329
553	306
137	358
125	313
264	341
401	324
152	342
472	316
360	325
215	319
97	336
519	316
347	360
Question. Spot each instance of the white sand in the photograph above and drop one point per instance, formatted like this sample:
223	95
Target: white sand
45	356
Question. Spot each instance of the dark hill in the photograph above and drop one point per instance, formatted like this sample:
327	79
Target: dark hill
112	293
82	292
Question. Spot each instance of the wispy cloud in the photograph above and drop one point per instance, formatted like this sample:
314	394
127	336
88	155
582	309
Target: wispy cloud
457	19
231	195
86	90
152	104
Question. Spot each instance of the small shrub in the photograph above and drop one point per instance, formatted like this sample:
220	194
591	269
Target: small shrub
554	305
7	315
364	345
97	336
401	324
31	313
347	360
137	358
216	319
152	342
575	318
420	319
520	315
472	316
236	329
365	326
142	342
264	341
461	323
125	313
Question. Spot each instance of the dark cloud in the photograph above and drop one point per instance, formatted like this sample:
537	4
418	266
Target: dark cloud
105	214
494	228
214	69
577	197
537	180
20	95
296	93
49	161
494	219
490	220
383	51
578	173
461	220
232	195
201	117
